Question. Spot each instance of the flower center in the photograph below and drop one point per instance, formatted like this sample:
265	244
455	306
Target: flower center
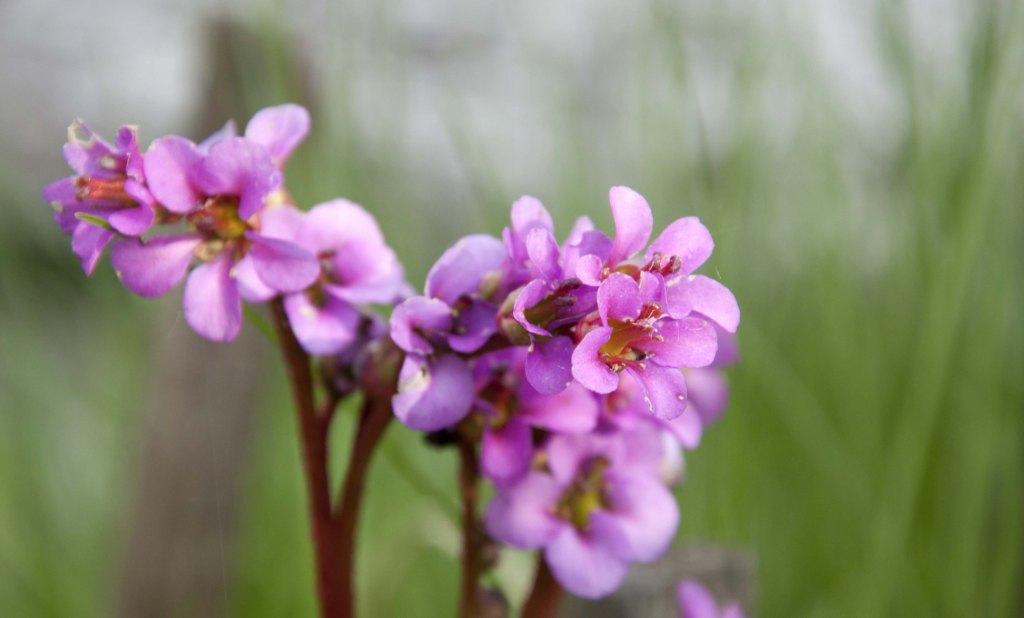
619	351
585	495
103	190
218	219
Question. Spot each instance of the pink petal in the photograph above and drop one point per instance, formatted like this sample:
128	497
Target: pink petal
415	315
531	294
228	130
587	366
250	286
282	265
279	129
582	566
132	221
708	297
686	238
170	165
236	166
695	601
322	330
505	453
664	390
690	342
543	251
521	515
212	305
618	298
549	365
433	395
88	242
646	512
590	270
461	269
633	223
153	267
574	410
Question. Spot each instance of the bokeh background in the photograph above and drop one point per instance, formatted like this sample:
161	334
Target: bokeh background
859	164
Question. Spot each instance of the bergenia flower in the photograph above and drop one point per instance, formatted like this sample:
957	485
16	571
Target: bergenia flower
696	602
634	335
593	512
510	410
457	315
220	195
357	267
106	195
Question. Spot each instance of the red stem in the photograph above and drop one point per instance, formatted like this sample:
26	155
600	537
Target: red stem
469	474
313	430
545	595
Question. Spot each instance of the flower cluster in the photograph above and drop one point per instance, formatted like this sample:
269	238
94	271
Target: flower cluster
218	212
576	372
582	369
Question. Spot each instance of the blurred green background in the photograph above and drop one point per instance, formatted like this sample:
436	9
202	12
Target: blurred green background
859	165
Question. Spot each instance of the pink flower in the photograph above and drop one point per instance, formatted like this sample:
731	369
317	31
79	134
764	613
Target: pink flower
105	197
593	512
696	602
220	195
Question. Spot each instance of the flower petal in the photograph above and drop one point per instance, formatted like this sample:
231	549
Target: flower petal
236	166
170	165
695	601
230	129
587	366
686	238
664	390
707	297
584	566
574	410
282	265
473	326
618	298
520	515
646	512
324	329
543	251
505	453
690	342
88	242
633	223
590	270
250	286
132	221
212	305
549	365
153	267
279	129
461	269
433	395
414	316
530	294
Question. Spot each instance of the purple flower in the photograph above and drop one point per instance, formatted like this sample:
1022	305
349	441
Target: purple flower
510	409
356	267
107	194
457	315
593	512
220	195
634	335
696	602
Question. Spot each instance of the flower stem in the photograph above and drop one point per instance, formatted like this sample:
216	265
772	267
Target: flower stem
313	431
469	474
546	593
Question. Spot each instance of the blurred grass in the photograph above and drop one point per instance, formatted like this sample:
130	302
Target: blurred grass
872	457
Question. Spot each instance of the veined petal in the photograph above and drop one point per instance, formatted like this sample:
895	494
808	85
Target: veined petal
324	329
433	395
463	266
505	453
549	365
690	342
686	238
618	298
279	129
646	512
282	265
587	366
583	566
543	251
633	222
664	390
212	305
520	514
707	297
171	164
153	267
